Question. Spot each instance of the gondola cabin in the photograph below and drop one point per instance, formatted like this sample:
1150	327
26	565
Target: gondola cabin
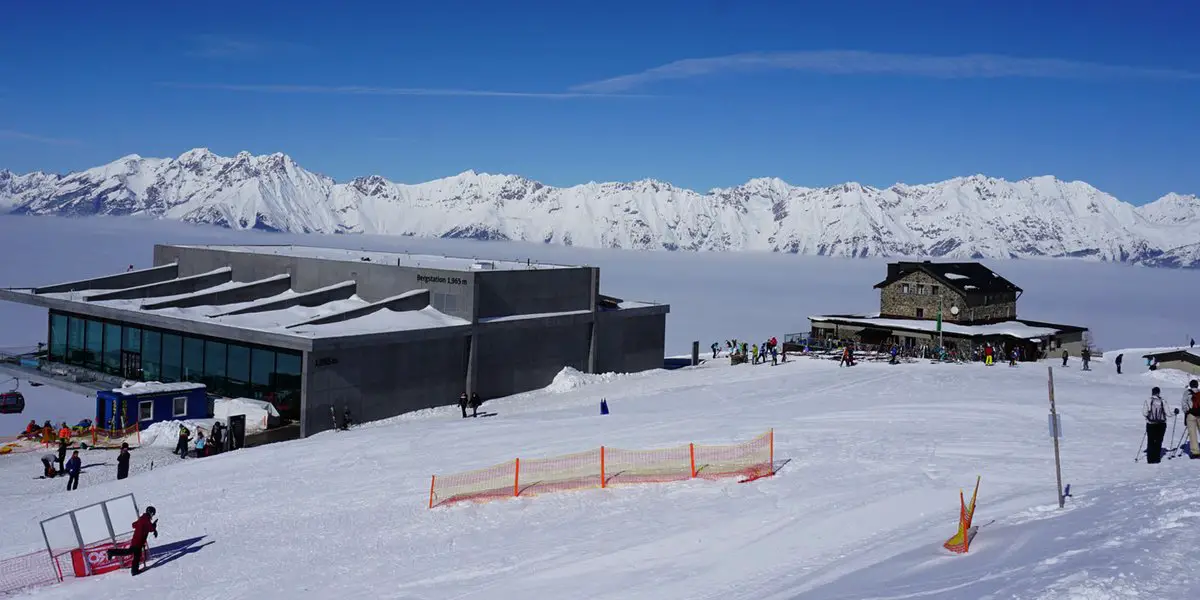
151	402
11	403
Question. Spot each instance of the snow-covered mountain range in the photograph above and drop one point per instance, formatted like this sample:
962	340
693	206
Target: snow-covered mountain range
965	217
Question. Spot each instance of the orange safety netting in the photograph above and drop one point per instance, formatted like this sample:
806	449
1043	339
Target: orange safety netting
113	437
605	467
961	542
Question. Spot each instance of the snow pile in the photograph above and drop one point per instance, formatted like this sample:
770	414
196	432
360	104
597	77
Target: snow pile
964	217
165	434
259	413
571	378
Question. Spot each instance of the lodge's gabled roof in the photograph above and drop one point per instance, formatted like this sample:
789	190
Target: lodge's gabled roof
963	277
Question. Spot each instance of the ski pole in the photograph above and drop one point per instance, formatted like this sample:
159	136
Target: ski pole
1173	422
1178	448
1138	456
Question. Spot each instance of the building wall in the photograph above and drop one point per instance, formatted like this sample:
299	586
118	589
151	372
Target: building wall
629	344
893	302
503	293
1181	365
377	382
514	360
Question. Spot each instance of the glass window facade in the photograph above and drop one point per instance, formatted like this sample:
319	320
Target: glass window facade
135	352
112	348
58	338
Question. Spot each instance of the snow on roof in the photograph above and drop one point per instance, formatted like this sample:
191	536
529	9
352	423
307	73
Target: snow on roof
1015	329
532	316
954	276
403	259
969	287
156	387
382	321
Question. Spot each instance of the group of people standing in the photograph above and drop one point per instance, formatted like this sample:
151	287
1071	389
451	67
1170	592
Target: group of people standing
204	447
1155	412
756	353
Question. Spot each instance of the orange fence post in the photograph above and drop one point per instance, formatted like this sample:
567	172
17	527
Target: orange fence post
517	478
93	435
432	480
138	428
772	436
602	482
692	458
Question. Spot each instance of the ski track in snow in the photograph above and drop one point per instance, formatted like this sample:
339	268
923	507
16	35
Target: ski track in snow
877	456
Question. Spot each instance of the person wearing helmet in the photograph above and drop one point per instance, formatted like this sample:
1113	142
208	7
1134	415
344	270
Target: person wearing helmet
142	528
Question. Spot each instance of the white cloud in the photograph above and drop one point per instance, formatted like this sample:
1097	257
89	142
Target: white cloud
850	62
10	134
359	90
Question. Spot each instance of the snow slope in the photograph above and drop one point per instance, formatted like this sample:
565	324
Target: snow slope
876	455
964	217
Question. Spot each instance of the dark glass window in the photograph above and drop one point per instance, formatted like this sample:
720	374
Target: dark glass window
262	367
193	359
287	385
172	357
93	343
152	355
58	337
238	371
131	341
214	367
112	348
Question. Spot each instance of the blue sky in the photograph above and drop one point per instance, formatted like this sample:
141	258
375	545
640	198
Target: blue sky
700	93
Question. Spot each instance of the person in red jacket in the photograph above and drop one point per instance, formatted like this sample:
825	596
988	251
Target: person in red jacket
142	528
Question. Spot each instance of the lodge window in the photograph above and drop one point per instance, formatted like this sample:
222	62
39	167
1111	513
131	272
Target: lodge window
904	288
920	289
179	406
920	313
934	290
145	410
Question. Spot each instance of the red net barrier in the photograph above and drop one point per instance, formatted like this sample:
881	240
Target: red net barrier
27	571
604	467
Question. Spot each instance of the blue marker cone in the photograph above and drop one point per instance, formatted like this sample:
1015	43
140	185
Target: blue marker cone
604	407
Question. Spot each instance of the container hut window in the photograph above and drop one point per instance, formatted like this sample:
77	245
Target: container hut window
145	410
180	406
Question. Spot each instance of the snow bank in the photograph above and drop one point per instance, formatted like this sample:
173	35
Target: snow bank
258	413
165	434
571	378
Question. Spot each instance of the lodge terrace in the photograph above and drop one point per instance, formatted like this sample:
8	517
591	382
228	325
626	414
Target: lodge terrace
310	329
977	307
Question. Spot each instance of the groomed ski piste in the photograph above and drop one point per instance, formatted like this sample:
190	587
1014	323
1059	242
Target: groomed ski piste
871	460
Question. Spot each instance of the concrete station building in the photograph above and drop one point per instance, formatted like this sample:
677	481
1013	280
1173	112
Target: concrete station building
314	329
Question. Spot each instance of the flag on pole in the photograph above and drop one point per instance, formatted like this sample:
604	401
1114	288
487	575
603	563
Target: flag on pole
939	320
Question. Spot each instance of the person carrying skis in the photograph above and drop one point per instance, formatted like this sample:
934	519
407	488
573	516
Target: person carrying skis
462	404
74	465
123	462
142	528
1191	407
1120	358
1156	425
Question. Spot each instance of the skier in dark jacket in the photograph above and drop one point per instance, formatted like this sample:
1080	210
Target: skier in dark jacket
715	348
123	462
1156	425
475	403
1120	358
62	452
74	465
1086	356
215	437
182	447
142	528
462	404
1064	356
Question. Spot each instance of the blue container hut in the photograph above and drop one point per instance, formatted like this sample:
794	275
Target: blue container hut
148	403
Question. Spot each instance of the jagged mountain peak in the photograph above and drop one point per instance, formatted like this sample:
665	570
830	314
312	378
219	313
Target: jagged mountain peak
961	218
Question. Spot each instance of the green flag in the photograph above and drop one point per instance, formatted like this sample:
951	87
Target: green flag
939	321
